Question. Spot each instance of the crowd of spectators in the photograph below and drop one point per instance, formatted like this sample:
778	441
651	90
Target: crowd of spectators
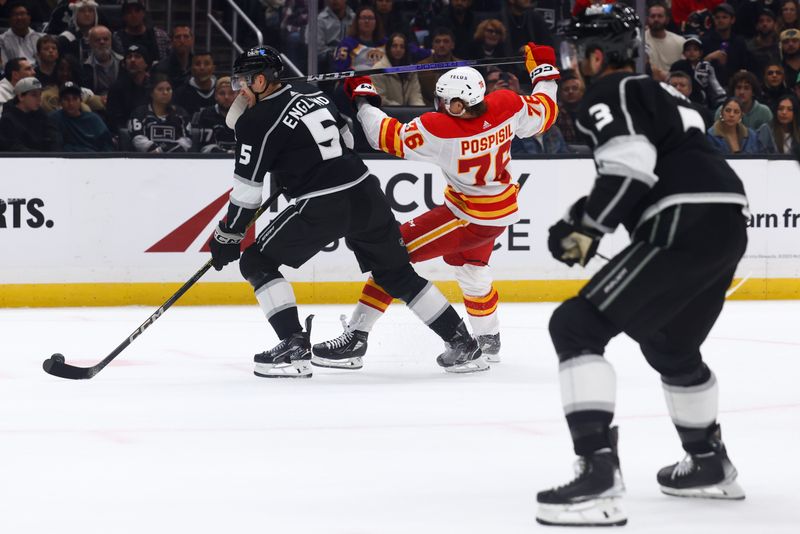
73	81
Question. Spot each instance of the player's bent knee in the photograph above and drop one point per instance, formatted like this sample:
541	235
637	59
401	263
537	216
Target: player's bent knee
402	283
256	268
577	328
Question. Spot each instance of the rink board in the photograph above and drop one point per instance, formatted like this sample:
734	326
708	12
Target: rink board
131	231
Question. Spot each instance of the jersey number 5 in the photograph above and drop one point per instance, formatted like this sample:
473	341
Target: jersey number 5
322	126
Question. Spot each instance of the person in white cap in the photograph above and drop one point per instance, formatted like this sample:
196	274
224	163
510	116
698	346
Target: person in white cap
24	127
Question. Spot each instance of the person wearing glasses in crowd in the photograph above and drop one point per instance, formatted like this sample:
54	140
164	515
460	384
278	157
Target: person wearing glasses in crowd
363	46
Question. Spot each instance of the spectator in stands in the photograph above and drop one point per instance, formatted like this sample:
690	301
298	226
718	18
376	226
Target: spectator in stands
363	46
774	86
729	135
461	20
128	92
693	55
198	93
788	16
209	129
101	69
663	47
69	70
333	22
15	70
24	127
178	64
294	31
489	41
790	54
75	39
397	89
724	46
525	25
443	44
745	87
682	10
683	83
79	130
135	32
19	40
46	59
159	126
781	135
391	18
570	93
763	47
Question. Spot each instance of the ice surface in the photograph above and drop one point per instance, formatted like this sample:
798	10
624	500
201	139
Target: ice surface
178	436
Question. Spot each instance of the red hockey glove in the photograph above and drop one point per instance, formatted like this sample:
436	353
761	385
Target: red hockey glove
361	87
540	61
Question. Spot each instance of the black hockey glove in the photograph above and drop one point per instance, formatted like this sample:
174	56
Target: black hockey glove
571	243
225	246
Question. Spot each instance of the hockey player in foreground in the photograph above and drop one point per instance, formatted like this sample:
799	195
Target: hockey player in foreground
294	132
469	137
684	209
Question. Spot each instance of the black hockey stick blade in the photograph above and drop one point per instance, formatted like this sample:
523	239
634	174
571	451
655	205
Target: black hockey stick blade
56	365
444	65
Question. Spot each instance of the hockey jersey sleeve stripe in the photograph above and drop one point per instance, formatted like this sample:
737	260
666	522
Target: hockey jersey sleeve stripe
389	139
628	155
481	306
246	194
550	110
484	208
482	300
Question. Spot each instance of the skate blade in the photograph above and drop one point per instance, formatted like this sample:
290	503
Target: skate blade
295	369
346	363
492	358
730	490
473	366
604	512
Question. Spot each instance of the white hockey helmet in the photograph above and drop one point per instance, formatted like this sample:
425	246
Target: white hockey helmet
464	83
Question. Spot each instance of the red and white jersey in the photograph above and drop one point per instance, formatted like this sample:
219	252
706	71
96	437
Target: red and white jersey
473	153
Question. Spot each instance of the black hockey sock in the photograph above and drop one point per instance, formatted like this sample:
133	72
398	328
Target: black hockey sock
446	324
589	430
286	322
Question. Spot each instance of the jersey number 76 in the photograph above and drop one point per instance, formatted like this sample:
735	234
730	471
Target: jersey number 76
483	165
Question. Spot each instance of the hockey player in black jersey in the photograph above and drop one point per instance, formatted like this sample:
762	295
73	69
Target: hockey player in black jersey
294	132
208	125
683	207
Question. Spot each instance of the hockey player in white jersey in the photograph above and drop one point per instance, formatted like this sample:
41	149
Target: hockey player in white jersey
469	136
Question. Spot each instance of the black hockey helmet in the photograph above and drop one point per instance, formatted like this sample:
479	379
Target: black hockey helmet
257	60
612	28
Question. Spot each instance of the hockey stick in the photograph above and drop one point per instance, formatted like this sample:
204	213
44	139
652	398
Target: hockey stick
332	76
55	364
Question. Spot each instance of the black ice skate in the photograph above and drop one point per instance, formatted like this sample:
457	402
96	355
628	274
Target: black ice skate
592	498
709	476
343	352
490	347
288	359
462	353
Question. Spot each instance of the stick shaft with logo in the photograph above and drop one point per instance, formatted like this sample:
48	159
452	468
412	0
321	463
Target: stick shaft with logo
400	69
56	365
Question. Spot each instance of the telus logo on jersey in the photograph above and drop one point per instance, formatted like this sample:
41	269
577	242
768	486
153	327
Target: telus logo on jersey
13	213
301	107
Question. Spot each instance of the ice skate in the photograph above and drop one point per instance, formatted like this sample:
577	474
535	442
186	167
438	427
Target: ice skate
343	352
288	359
490	347
593	498
708	476
462	353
